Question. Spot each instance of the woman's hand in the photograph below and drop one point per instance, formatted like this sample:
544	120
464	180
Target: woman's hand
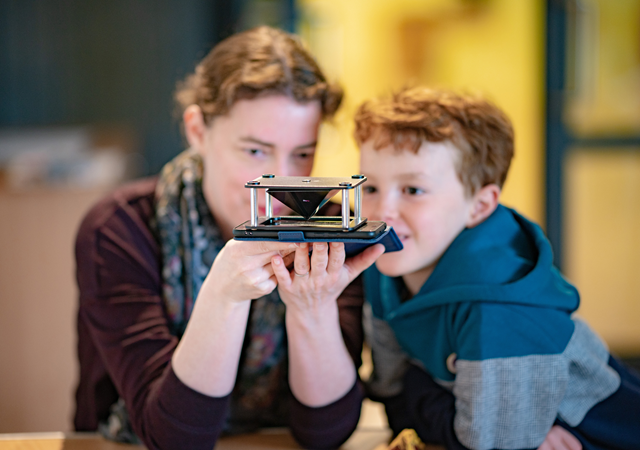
320	368
560	439
243	271
316	282
207	356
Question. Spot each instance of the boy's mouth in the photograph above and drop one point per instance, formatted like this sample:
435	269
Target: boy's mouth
402	237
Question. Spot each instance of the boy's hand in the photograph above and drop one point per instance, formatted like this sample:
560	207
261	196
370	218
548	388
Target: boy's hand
560	439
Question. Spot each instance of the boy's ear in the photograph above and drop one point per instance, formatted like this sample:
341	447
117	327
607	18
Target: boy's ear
194	127
485	202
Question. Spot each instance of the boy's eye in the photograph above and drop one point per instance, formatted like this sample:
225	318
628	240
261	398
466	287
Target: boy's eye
412	191
368	189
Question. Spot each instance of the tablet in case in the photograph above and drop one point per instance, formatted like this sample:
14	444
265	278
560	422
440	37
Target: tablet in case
306	195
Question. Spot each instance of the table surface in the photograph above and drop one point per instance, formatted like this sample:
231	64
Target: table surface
362	439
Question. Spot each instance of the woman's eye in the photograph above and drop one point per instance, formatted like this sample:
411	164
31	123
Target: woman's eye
254	151
305	155
413	190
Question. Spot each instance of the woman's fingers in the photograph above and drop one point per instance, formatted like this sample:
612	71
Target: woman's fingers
266	278
280	271
262	251
336	257
326	259
319	258
301	263
288	259
268	285
258	247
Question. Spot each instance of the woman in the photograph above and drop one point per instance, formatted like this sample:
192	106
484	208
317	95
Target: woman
181	371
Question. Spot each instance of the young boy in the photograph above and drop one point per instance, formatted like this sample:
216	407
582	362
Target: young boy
471	326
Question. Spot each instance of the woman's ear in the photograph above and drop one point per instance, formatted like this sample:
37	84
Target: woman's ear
484	203
194	127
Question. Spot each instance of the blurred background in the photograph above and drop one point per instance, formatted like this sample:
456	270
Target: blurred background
86	103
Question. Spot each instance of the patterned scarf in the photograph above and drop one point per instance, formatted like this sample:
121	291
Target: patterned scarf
190	241
189	238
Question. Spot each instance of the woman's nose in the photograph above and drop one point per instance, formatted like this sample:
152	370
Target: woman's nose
292	166
280	167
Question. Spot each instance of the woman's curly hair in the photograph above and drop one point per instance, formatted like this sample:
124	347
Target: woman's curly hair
257	62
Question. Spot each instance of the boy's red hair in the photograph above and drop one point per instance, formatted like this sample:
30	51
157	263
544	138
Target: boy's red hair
481	132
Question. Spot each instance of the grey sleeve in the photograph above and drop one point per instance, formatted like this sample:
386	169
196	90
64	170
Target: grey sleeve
512	402
390	362
507	402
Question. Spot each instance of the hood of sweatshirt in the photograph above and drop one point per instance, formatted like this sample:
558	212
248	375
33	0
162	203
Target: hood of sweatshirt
506	258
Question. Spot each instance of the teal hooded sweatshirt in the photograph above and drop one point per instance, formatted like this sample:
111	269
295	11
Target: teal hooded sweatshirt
494	324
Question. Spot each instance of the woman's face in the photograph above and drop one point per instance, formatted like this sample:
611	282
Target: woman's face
272	134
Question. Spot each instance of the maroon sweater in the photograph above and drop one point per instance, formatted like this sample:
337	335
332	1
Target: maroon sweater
125	347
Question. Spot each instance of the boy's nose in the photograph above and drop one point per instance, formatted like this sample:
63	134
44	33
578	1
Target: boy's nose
386	209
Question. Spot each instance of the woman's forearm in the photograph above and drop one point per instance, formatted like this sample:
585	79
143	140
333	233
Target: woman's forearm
206	359
321	370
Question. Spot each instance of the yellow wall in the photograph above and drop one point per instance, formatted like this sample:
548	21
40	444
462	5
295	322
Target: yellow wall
604	69
602	243
602	185
494	47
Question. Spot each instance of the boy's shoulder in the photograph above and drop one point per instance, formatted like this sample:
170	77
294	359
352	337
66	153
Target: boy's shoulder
488	330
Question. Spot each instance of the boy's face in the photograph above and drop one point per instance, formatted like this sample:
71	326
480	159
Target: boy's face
422	198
